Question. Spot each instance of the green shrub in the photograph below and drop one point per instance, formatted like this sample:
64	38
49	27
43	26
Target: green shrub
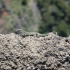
55	16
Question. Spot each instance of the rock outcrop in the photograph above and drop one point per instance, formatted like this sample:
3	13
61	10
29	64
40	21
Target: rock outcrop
51	52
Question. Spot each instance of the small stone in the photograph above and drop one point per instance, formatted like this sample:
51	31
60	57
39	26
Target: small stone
66	40
60	49
48	64
62	61
53	54
46	54
58	64
67	59
28	68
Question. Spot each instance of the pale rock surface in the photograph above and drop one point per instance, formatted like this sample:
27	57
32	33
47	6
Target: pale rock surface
51	52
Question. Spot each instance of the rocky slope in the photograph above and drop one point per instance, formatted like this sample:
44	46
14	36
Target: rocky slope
51	52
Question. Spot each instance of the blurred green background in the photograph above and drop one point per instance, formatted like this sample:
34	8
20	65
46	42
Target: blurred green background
42	16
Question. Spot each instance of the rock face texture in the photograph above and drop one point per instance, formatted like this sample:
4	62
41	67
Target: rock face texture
51	52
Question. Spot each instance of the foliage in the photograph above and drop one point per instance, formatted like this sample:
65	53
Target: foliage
55	16
22	13
10	24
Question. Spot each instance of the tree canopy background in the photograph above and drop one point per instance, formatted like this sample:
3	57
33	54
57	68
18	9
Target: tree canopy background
36	15
55	16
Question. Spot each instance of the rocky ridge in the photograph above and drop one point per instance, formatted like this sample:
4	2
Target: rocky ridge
51	52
